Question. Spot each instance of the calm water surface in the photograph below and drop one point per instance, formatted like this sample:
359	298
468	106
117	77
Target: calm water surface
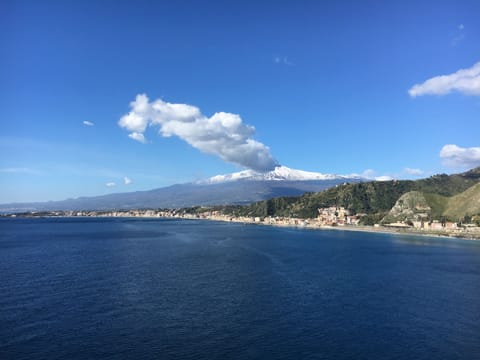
172	289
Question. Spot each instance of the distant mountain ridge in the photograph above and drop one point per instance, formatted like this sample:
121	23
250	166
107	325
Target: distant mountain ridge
244	187
449	196
280	173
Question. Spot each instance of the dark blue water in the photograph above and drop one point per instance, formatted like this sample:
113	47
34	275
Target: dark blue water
160	289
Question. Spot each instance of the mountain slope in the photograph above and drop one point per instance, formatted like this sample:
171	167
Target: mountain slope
411	206
466	203
280	173
416	205
372	198
245	190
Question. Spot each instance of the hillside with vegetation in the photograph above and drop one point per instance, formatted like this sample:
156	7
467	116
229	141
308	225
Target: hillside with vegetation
444	195
411	206
417	206
466	203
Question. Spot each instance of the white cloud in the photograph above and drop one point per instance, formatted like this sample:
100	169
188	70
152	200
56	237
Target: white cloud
384	178
458	157
458	38
410	171
137	136
223	134
127	180
368	174
282	60
465	81
110	184
371	175
88	123
18	171
458	35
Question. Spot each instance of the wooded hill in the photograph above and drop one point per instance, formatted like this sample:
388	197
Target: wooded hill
446	195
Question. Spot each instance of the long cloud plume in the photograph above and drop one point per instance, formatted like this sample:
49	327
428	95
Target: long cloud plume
222	134
465	81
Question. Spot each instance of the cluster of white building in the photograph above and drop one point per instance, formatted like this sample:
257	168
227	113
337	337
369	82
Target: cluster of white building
336	216
329	216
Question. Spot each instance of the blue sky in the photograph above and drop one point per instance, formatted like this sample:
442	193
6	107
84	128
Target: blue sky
327	86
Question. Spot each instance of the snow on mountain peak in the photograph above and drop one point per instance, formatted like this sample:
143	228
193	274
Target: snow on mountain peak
278	174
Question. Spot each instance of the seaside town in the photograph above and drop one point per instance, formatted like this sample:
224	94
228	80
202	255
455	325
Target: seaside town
328	218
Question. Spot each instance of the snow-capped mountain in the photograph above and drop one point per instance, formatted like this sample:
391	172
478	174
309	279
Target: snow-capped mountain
243	187
280	173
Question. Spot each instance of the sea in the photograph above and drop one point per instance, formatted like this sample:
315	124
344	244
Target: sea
109	288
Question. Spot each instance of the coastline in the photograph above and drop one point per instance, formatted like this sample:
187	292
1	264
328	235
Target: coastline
362	228
407	232
294	223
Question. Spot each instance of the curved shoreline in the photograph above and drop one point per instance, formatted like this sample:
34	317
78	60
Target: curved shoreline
310	224
368	229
